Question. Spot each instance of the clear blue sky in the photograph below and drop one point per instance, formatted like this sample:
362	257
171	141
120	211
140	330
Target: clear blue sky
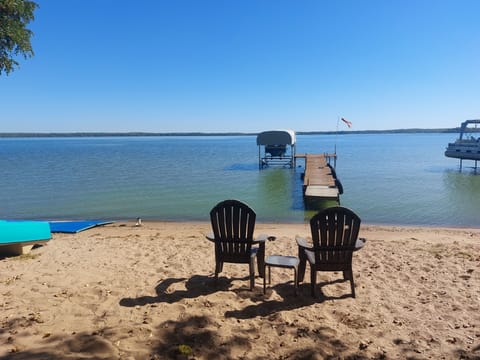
246	65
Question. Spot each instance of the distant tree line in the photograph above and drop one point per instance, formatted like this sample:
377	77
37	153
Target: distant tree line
125	134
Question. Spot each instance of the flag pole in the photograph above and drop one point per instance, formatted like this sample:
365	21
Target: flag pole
336	134
335	145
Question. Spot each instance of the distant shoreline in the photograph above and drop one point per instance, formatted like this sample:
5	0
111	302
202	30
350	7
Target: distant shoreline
152	134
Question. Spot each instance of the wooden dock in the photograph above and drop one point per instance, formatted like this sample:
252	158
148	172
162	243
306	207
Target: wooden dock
319	179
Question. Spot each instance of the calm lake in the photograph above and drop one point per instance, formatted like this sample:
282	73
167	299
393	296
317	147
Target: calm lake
399	179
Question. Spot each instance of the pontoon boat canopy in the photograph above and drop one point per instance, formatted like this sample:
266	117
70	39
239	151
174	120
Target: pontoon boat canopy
465	125
276	137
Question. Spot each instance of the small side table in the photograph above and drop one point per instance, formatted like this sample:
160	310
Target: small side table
281	261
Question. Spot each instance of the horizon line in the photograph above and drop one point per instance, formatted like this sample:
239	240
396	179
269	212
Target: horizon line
199	133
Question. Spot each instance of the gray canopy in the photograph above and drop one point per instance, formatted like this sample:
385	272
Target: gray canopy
276	137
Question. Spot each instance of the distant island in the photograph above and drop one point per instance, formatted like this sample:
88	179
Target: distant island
124	134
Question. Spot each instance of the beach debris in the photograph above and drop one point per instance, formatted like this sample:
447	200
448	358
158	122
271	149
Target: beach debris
185	349
397	322
12	279
35	317
363	345
452	340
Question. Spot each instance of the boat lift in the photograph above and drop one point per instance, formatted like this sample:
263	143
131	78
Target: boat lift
466	147
276	148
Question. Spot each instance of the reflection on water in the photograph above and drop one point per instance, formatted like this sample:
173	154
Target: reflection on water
462	192
274	190
276	184
242	167
462	185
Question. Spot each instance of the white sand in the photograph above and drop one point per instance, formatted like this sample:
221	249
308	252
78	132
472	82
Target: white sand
126	292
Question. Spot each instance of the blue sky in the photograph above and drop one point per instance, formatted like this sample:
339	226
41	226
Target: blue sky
246	65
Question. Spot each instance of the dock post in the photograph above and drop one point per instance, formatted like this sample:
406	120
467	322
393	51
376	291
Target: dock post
260	165
294	153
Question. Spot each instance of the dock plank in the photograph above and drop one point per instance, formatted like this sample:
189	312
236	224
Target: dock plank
324	192
319	180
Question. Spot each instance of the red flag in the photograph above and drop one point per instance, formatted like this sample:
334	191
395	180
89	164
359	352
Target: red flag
349	124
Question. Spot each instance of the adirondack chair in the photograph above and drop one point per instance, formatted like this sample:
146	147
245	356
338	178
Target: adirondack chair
334	236
233	224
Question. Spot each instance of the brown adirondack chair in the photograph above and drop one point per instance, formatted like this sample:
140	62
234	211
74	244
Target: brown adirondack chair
334	236
233	224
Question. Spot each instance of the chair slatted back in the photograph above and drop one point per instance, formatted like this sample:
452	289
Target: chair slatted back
334	233
233	224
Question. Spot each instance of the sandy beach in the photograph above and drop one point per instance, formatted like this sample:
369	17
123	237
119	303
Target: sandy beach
125	292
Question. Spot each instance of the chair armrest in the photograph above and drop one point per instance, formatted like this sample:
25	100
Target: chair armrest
263	238
259	239
210	236
302	242
360	243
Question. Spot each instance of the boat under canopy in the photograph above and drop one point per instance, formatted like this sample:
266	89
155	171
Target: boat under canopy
278	148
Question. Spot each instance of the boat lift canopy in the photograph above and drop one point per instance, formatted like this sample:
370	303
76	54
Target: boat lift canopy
278	146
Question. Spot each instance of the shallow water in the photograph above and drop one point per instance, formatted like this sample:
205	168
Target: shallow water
388	179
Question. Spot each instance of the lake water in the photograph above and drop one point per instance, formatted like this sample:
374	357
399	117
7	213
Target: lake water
399	179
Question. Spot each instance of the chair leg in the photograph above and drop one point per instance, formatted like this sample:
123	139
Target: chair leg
302	265
252	274
218	269
313	280
348	275
295	280
261	260
264	284
352	283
